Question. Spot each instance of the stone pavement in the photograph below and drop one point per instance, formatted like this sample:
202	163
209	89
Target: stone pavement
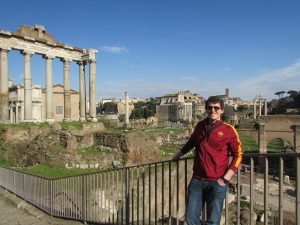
14	211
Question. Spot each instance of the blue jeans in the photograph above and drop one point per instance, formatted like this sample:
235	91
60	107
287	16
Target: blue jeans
201	192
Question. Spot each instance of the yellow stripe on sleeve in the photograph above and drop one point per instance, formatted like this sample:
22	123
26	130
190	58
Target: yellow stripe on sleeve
240	153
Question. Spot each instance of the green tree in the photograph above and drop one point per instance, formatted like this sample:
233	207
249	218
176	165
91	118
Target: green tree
293	94
109	108
280	93
242	108
136	114
143	110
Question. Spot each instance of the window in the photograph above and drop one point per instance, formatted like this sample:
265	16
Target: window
59	110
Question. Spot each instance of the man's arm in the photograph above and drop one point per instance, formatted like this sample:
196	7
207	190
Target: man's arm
188	145
177	156
236	150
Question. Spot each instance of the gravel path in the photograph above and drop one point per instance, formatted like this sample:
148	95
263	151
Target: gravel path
15	211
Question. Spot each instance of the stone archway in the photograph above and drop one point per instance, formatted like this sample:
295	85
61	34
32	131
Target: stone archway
280	126
275	145
284	127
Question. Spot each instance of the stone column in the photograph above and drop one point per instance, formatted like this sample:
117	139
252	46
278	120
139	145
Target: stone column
126	109
261	138
266	108
82	101
67	91
296	137
17	112
11	114
259	102
4	104
254	108
92	89
49	89
22	113
27	87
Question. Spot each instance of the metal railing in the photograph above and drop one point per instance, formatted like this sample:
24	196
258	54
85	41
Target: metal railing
156	193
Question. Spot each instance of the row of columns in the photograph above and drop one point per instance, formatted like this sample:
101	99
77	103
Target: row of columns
4	111
261	101
4	84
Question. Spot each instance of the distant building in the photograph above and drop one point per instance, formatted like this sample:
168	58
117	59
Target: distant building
58	103
234	101
16	103
183	106
121	104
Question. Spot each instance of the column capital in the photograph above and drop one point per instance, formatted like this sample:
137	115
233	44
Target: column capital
5	49
296	127
66	60
26	52
48	56
262	126
81	62
92	60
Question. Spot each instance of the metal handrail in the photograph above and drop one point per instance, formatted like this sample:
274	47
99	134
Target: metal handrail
143	194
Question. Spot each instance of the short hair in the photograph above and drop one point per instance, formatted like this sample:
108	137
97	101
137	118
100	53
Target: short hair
215	99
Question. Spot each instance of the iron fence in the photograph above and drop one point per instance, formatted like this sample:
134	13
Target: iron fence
155	193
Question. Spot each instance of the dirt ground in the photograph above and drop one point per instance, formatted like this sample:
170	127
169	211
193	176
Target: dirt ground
14	211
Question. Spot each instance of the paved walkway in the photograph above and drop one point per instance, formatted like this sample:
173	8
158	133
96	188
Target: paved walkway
15	211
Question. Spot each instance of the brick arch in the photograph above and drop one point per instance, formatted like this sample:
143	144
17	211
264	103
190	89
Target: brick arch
284	136
280	126
268	142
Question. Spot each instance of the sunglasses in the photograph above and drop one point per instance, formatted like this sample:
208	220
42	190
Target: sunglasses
216	108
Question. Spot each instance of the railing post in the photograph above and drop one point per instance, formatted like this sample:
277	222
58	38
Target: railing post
226	209
24	192
251	190
14	181
298	192
280	206
84	198
51	197
149	191
162	192
266	190
239	196
155	193
127	211
170	194
177	192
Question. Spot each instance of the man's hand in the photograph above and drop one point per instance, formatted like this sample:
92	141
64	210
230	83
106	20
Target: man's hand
177	156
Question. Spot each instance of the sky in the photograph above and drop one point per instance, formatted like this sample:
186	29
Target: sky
150	48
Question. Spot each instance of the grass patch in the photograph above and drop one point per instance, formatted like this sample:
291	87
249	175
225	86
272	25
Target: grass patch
249	144
171	149
5	163
74	124
56	172
162	131
168	149
275	145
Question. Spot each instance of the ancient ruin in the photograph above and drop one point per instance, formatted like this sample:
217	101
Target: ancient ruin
261	101
31	40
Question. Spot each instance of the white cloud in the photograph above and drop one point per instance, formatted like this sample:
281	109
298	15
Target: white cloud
190	78
114	49
226	69
265	83
269	82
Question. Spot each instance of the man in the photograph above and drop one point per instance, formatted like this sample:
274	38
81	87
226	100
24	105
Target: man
214	140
